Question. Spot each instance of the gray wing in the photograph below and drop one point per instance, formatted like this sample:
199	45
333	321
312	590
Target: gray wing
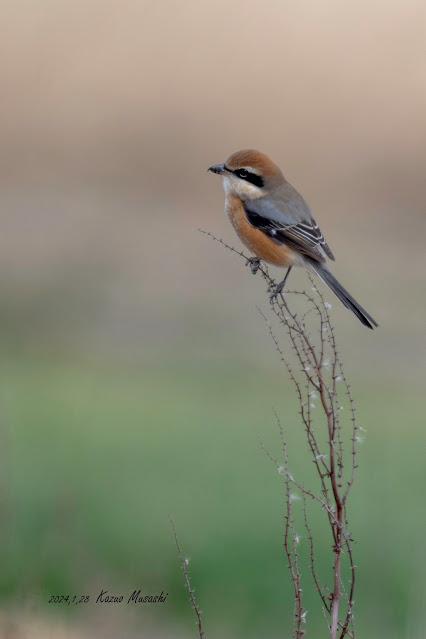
288	220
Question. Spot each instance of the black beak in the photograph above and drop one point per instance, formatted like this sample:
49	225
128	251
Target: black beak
217	168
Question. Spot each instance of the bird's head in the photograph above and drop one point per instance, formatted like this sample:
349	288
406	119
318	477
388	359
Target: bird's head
248	174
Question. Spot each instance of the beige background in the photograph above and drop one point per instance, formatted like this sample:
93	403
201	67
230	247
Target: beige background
111	113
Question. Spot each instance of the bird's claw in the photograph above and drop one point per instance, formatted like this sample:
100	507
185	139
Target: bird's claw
275	292
254	264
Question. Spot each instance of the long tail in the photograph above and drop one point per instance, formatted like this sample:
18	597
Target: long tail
347	300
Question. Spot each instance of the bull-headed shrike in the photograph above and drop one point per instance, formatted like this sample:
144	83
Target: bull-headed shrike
274	222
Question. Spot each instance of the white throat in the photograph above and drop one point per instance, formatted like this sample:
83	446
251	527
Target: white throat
240	188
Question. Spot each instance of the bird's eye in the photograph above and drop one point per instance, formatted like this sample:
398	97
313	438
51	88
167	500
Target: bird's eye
252	178
242	173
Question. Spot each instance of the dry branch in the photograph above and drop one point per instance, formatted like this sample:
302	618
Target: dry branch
316	371
184	565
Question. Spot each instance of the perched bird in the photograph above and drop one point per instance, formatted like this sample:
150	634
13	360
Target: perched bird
274	222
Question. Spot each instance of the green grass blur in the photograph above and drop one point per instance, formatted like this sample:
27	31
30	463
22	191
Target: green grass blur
100	455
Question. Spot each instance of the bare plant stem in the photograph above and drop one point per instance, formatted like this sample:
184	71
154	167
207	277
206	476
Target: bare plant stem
184	565
316	375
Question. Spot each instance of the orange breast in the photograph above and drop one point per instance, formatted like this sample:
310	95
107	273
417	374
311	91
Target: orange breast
256	241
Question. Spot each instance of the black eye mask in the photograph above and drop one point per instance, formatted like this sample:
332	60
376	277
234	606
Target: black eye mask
256	180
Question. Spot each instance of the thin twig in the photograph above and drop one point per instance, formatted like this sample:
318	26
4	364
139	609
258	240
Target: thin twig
184	563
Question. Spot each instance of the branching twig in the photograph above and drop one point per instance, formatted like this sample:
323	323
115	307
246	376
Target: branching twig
316	375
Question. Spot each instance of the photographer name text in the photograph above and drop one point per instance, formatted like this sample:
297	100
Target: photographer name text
105	597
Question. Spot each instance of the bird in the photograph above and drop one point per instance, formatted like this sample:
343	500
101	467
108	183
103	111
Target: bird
275	223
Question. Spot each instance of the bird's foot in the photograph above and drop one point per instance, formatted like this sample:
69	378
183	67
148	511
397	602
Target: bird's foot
276	290
254	264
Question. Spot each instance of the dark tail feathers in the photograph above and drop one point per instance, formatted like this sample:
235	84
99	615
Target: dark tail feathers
347	300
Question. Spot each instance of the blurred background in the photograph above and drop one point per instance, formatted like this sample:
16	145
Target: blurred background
136	374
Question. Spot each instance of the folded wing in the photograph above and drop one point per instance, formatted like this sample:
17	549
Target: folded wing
289	222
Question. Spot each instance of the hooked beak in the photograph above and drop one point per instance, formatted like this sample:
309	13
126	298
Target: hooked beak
217	168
